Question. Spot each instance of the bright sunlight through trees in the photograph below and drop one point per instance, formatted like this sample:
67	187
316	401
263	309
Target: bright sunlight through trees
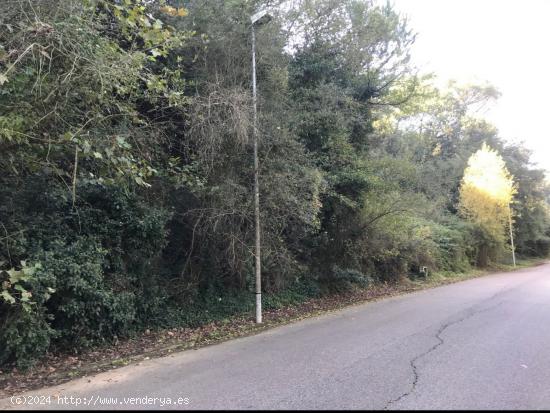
486	192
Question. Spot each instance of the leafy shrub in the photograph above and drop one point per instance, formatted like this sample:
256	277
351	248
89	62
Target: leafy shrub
105	283
86	307
455	243
25	334
343	280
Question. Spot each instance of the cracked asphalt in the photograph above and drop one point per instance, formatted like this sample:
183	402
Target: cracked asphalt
478	344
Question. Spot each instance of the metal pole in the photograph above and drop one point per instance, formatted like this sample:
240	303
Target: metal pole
256	187
511	235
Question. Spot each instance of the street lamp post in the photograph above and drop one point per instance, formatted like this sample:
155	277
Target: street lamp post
257	18
511	235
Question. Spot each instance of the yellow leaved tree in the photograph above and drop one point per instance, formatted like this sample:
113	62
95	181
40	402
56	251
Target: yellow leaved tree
486	193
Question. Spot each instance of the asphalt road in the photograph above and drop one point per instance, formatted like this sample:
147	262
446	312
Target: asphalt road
477	344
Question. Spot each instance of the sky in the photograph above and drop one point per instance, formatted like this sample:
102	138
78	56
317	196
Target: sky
503	42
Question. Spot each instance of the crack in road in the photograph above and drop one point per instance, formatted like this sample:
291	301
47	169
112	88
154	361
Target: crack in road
440	331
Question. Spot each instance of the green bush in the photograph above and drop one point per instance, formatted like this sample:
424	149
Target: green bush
343	280
25	336
105	281
86	307
455	245
25	333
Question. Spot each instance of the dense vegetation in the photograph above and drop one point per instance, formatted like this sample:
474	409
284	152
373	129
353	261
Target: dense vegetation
126	185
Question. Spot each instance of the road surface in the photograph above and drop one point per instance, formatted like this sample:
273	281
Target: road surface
478	344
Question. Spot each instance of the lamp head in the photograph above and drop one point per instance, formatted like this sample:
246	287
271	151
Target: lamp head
261	17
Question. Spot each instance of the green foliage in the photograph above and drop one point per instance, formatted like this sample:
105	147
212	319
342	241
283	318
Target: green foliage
455	245
13	290
86	309
25	334
346	280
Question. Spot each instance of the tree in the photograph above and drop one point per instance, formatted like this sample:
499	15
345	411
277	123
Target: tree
486	194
